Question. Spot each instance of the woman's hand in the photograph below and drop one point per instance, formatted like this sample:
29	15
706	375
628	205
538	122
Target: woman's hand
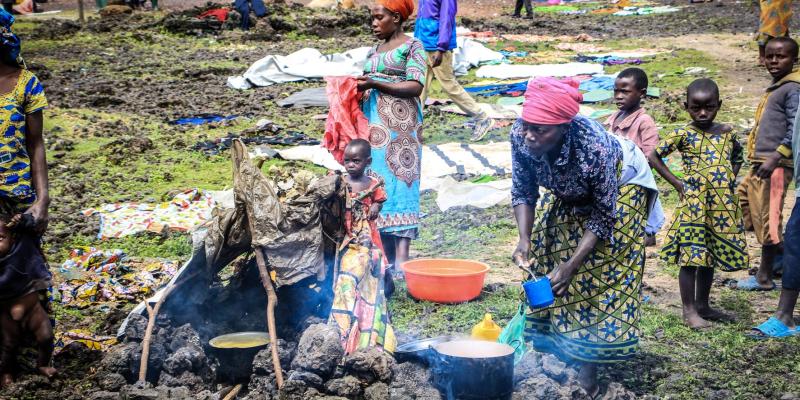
364	83
561	277
680	189
374	211
40	216
436	58
522	253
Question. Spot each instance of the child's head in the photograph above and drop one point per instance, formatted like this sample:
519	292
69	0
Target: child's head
6	235
630	88
780	56
357	157
702	102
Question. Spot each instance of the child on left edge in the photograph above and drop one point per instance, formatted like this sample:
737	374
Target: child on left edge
359	303
24	280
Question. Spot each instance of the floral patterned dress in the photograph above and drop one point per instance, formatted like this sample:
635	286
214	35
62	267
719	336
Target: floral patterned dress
359	304
707	230
394	123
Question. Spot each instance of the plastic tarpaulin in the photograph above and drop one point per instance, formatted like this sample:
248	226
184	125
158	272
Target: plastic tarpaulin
506	71
290	233
299	66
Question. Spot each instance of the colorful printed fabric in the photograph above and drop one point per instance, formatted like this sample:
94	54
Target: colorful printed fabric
584	175
774	20
393	126
359	304
92	276
707	230
26	98
597	321
186	211
93	342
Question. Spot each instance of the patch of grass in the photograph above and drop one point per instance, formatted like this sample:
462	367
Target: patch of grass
425	319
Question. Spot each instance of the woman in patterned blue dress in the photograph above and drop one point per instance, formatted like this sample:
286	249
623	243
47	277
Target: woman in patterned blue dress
393	81
586	232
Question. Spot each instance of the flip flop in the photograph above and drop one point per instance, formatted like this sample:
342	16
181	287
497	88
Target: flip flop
750	283
772	328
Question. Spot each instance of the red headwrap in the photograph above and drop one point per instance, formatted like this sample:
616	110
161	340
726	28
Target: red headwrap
550	101
403	7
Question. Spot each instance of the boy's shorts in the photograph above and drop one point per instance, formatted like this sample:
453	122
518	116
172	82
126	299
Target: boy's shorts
762	203
791	251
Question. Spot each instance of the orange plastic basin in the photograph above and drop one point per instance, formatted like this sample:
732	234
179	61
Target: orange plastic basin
444	280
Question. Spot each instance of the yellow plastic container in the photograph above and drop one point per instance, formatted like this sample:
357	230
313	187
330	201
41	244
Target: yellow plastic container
486	329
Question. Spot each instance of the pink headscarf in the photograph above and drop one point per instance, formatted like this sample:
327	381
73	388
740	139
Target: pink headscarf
550	101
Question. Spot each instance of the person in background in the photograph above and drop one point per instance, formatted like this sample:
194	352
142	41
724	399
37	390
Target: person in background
518	9
762	193
24	190
632	122
359	303
773	22
707	232
587	231
244	7
394	75
436	29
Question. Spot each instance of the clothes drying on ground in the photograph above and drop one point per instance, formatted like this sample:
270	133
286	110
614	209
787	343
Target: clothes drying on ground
511	89
495	111
313	97
605	82
185	211
506	71
345	120
91	276
214	147
470	54
83	336
645	10
301	65
203	119
608	60
220	14
598	95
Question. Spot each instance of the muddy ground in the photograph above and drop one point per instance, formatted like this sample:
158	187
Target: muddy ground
115	85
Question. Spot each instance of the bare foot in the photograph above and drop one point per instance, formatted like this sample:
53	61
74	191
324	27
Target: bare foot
715	315
6	379
48	371
695	321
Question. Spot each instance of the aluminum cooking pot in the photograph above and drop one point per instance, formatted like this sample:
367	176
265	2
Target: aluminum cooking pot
473	369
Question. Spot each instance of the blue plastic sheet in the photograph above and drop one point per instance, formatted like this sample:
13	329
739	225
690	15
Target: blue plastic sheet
203	119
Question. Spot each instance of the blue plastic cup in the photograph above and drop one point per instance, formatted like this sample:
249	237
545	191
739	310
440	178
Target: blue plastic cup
539	292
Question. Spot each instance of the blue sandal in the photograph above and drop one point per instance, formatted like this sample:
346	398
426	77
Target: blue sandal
773	328
750	283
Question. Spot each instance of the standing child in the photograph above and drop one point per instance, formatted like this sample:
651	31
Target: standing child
632	122
23	190
707	231
24	280
769	149
359	304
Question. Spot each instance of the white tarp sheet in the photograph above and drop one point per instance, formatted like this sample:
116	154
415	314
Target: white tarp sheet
509	71
310	63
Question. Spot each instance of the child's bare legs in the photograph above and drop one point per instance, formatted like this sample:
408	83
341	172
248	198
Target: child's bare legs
402	246
687	280
26	313
705	278
764	274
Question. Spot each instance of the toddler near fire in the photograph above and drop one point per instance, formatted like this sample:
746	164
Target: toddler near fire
359	304
24	280
707	232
